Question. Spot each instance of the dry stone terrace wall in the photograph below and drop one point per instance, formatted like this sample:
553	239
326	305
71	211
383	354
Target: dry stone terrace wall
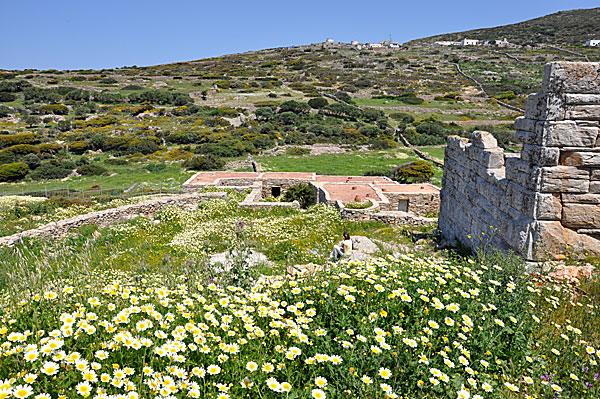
111	216
545	201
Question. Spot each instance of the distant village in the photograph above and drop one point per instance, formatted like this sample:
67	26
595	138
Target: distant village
390	44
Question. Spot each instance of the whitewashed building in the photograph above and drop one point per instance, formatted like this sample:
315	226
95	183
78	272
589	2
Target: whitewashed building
469	42
592	43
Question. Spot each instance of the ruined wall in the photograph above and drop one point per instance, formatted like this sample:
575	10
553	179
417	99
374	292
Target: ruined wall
545	201
111	216
418	203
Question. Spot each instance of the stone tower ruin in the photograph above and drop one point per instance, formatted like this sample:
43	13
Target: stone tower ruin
545	201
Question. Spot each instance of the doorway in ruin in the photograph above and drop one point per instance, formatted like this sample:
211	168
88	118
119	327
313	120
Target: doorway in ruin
403	205
275	191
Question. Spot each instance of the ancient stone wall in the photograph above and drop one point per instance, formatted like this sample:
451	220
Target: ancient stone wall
545	201
111	216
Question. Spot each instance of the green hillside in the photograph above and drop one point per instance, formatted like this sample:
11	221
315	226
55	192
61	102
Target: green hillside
570	27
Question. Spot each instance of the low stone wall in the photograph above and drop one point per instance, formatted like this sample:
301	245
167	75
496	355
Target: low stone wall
545	201
111	216
374	213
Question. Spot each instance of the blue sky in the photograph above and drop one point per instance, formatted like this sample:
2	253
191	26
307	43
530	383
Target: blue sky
67	34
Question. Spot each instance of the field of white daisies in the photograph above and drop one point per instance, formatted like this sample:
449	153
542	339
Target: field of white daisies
133	311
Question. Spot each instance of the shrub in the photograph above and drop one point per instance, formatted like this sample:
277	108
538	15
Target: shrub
101	121
204	162
297	151
91	170
6	97
56	109
318	102
50	171
294	106
32	161
383	143
7	140
155	167
303	193
13	171
49	148
358	205
22	149
78	147
414	172
116	161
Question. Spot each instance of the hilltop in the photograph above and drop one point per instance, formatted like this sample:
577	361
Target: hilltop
572	27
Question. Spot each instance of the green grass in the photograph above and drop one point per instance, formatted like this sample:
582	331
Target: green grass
352	164
125	176
435	152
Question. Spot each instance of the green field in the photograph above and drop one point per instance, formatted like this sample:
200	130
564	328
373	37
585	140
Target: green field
353	164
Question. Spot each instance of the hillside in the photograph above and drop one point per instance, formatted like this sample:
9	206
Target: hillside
161	122
572	27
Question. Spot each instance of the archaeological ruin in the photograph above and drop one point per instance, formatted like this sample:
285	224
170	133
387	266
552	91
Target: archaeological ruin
543	203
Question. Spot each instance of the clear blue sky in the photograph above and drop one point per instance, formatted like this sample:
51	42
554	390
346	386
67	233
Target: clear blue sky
82	34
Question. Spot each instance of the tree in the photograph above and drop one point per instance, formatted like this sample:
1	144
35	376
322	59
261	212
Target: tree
296	107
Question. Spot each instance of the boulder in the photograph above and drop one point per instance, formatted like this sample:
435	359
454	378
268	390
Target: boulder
364	245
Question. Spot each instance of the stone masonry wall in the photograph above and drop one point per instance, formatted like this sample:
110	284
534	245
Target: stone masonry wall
419	204
545	201
111	216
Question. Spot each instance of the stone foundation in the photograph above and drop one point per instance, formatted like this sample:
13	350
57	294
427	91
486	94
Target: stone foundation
544	202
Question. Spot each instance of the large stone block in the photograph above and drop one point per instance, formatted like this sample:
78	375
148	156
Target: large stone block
526	137
595	187
553	241
563	172
544	106
572	77
581	198
582	99
491	158
581	215
580	158
549	185
585	112
566	133
541	156
547	207
524	124
483	140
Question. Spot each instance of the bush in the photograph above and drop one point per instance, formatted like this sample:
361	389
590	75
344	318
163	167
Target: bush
303	193
7	140
91	170
6	97
78	147
204	162
294	106
56	109
318	102
116	161
50	171
414	172
13	171
155	167
297	151
22	149
383	143
359	205
32	161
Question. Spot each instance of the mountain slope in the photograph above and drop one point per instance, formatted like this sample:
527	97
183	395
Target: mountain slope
564	27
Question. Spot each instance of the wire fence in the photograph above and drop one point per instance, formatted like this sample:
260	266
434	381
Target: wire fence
100	193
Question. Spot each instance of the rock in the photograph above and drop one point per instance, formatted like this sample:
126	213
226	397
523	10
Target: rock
572	273
364	245
572	77
254	258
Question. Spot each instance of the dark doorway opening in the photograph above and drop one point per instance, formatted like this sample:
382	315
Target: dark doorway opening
275	191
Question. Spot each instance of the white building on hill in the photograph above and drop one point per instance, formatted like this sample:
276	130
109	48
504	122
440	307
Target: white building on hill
592	43
469	42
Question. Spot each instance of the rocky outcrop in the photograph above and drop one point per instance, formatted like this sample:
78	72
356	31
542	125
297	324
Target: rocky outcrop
545	201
